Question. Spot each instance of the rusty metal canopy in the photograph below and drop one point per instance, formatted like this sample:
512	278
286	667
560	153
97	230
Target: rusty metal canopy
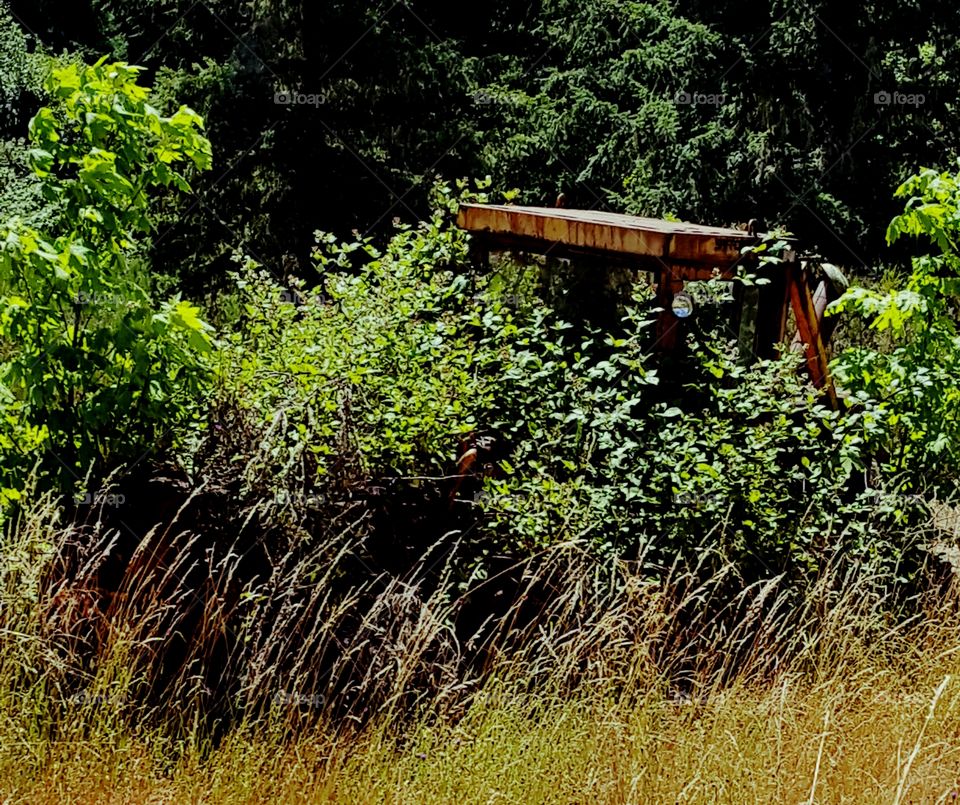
542	229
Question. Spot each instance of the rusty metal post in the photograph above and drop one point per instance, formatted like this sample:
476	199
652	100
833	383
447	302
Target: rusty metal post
808	329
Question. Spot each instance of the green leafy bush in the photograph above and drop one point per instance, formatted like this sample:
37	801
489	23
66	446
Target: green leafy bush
745	463
378	371
92	370
404	359
912	382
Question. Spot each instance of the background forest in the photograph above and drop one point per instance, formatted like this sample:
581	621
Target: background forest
298	501
784	119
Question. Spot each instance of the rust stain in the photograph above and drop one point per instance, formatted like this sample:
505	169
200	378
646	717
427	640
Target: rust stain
609	233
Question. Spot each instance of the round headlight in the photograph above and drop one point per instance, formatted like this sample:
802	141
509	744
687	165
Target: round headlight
682	306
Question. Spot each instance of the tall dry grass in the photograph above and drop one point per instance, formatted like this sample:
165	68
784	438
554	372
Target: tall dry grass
872	735
192	679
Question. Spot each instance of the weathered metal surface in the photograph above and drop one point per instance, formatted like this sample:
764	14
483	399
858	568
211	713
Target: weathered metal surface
830	288
808	330
607	233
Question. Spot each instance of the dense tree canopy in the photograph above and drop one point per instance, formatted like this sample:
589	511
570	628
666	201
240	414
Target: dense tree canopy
340	114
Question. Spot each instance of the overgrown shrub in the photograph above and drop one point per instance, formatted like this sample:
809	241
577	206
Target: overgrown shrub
92	369
403	363
911	383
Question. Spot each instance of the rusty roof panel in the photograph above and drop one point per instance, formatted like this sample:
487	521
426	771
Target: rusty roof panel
608	233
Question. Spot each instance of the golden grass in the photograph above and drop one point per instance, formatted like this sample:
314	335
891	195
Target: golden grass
660	691
873	735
